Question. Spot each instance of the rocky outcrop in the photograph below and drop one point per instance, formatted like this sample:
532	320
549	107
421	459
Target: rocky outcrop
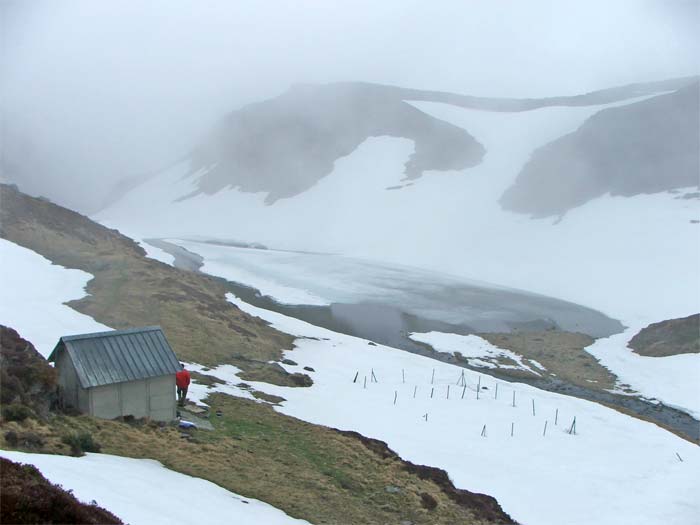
671	337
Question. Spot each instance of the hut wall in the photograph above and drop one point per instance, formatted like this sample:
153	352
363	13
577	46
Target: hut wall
153	397
67	381
105	401
162	397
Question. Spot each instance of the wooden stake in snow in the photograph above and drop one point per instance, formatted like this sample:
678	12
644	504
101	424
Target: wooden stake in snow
462	380
478	387
356	374
403	376
513	397
365	385
395	395
556	416
679	457
374	378
496	394
483	431
572	429
545	429
464	389
432	379
426	417
448	391
533	407
512	427
415	389
432	391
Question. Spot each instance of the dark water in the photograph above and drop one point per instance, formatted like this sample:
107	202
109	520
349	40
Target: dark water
389	325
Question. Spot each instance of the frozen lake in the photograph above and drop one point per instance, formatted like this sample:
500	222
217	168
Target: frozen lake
382	301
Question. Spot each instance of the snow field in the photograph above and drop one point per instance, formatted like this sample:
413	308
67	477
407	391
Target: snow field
216	262
34	291
608	254
293	278
635	259
615	466
142	491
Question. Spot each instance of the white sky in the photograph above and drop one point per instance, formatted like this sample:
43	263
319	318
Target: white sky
101	90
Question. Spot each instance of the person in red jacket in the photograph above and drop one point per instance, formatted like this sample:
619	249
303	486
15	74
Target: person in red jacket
182	381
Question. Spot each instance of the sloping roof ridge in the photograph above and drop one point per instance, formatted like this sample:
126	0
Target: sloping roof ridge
111	333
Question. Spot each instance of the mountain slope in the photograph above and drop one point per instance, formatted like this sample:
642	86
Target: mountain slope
307	470
646	147
130	289
454	223
283	146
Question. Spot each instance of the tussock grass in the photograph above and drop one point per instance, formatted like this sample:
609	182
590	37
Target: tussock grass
561	353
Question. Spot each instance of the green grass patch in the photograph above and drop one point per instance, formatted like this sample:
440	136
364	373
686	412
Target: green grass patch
309	471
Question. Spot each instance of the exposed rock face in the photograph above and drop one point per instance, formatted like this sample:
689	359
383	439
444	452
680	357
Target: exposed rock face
283	146
671	337
644	147
26	378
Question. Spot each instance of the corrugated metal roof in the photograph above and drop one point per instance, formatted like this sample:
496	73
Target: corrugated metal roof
104	358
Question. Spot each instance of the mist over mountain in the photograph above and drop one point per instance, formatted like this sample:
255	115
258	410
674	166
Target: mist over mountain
283	146
425	262
646	147
141	85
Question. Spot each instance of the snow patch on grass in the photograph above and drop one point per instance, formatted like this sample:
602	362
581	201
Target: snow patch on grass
478	351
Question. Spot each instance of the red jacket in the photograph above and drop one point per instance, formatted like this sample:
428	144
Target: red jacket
182	379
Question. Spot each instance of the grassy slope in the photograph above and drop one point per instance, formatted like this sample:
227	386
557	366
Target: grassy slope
309	471
671	337
306	470
130	289
561	353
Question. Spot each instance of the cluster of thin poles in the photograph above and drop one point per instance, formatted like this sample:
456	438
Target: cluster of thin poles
462	381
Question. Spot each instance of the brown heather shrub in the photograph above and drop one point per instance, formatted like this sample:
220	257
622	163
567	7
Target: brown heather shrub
28	497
